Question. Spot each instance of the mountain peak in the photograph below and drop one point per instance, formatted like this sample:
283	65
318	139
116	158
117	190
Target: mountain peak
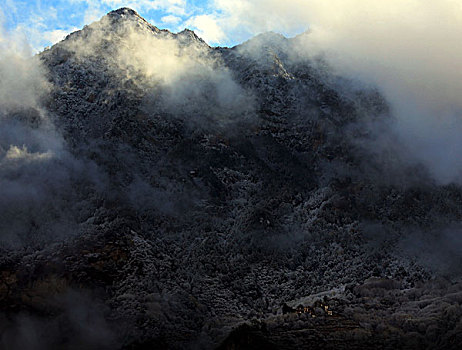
188	36
126	14
123	11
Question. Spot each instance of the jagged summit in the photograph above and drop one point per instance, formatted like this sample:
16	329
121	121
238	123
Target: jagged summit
270	36
127	14
188	36
124	11
116	23
264	43
113	23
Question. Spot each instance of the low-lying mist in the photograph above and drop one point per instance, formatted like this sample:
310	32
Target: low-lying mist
38	175
410	51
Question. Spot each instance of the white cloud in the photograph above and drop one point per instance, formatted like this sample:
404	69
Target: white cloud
418	38
100	7
93	13
15	153
57	35
10	6
171	20
182	76
21	76
411	49
208	28
240	19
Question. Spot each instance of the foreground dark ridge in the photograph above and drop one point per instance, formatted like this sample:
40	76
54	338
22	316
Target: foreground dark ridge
223	198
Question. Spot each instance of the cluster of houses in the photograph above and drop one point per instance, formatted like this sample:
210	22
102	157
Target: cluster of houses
317	309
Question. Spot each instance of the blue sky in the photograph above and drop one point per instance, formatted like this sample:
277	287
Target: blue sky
219	22
47	21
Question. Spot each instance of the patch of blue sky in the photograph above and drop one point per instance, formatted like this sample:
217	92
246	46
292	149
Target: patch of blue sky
44	22
218	22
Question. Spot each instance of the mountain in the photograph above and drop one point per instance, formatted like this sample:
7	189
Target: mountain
187	196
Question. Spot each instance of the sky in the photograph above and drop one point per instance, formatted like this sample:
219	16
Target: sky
45	22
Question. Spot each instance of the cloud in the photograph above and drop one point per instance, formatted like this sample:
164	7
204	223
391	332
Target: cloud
438	250
93	13
171	20
78	323
409	49
44	24
239	20
22	80
184	77
15	153
39	25
97	8
180	73
57	35
208	28
171	6
38	175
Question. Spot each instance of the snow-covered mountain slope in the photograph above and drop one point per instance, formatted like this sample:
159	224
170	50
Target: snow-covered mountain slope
216	189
